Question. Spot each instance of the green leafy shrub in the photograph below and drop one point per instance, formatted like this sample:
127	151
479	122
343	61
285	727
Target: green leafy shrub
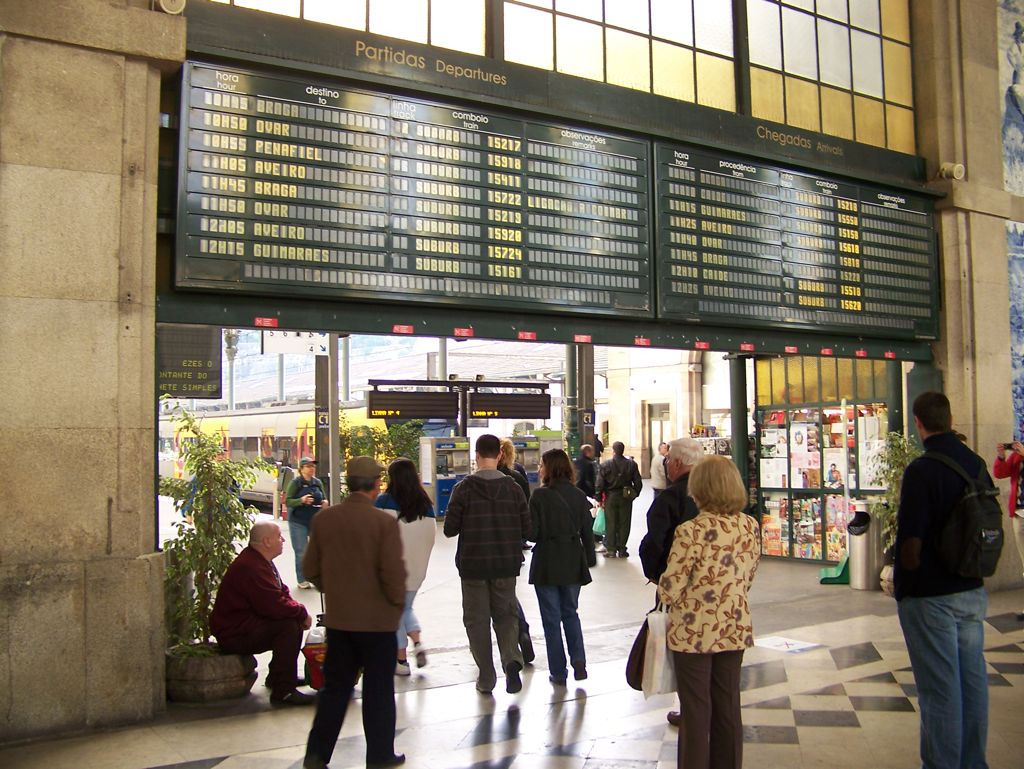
214	520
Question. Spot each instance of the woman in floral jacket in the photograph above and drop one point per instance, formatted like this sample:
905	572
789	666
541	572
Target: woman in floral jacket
710	569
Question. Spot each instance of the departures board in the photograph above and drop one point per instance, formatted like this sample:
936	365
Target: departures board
743	243
301	188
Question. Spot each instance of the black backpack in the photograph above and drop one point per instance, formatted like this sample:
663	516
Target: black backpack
971	540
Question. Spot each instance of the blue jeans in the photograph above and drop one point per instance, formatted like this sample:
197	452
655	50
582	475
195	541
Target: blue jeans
298	533
945	639
558	605
409	623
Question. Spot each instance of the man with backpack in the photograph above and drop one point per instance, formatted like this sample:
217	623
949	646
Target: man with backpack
941	611
618	484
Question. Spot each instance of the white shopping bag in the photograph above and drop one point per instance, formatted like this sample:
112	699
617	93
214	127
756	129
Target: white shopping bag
659	669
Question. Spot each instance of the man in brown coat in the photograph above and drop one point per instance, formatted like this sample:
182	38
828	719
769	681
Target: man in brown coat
354	557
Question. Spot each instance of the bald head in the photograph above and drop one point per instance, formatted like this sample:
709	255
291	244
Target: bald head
265	538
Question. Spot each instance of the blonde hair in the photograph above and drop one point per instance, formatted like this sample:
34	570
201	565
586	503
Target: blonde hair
716	487
507	453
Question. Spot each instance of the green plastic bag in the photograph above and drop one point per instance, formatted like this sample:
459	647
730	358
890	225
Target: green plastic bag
599	522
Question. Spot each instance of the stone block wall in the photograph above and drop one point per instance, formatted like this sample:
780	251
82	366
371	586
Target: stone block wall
81	599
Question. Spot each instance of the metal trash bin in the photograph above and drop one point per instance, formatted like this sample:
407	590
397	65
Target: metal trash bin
864	541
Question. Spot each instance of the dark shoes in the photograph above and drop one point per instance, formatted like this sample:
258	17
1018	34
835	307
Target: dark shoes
294	697
674	718
526	647
609	554
396	760
579	671
513	683
557	681
623	553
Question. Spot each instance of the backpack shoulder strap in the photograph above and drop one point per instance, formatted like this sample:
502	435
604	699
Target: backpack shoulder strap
952	464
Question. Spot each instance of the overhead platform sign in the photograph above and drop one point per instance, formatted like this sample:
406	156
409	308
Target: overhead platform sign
509	405
381	404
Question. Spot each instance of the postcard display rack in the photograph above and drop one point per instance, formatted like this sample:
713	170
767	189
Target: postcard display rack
816	468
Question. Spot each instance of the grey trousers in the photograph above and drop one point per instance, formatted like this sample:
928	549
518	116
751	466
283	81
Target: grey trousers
485	601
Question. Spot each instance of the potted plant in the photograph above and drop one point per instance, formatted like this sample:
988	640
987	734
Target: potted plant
889	466
214	520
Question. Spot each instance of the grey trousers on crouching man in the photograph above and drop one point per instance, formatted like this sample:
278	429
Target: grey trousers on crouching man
484	601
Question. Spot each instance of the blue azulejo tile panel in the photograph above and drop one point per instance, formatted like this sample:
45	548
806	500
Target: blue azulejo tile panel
1015	279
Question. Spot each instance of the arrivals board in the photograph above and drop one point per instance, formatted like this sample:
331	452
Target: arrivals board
742	243
301	188
390	404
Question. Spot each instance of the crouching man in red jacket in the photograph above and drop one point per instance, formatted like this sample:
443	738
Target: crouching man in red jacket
254	613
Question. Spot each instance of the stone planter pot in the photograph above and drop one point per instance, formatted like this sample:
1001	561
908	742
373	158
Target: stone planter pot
207	679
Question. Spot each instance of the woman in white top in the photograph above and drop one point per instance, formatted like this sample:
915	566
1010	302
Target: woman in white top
406	498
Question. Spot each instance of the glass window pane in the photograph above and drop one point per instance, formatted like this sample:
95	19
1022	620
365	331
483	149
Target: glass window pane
457	24
864	371
672	20
529	37
778	380
539	3
588	9
766	97
845	378
712	26
811	381
836	113
881	381
629	14
829	384
579	48
865	14
834	9
802	108
834	53
766	42
807	5
629	60
869	121
867	63
283	7
404	19
897	73
799	45
899	128
795	381
716	85
763	381
673	71
896	19
340	13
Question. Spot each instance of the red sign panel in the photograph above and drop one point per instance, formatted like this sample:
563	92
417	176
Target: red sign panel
266	322
860	353
527	336
462	333
746	347
890	355
827	351
702	345
791	349
582	338
641	341
399	329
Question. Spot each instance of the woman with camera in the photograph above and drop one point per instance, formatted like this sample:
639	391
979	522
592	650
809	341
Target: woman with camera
1008	465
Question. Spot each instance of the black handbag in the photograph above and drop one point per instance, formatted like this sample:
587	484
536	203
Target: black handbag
635	660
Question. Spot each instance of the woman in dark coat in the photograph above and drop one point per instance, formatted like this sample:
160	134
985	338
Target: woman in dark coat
563	530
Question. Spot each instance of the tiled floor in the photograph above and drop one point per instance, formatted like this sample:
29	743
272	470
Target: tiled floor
846	702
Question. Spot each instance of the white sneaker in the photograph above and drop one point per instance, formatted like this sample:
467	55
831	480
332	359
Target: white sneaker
304	585
402	668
